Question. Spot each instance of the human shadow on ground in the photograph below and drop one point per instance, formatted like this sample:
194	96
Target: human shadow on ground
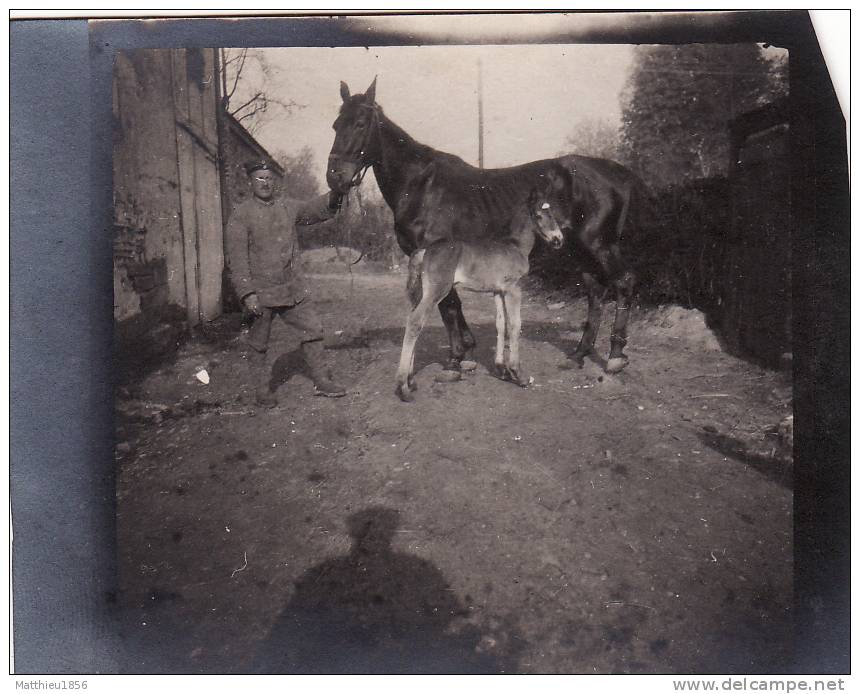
375	610
287	365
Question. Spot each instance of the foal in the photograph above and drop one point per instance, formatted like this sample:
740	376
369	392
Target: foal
481	265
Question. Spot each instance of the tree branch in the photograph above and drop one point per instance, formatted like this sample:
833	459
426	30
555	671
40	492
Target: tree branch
258	97
249	114
241	58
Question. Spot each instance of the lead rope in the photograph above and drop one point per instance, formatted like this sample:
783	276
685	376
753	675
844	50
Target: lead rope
342	219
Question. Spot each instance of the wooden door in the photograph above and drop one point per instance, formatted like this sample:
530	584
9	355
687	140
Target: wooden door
195	103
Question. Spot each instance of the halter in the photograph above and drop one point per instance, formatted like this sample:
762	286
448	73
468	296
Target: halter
362	167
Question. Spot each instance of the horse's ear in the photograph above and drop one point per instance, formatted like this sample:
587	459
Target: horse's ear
370	94
344	91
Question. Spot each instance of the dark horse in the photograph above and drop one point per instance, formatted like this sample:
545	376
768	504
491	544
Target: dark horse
462	202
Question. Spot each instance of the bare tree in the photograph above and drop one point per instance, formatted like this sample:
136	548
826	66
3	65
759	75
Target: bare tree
245	84
300	180
593	137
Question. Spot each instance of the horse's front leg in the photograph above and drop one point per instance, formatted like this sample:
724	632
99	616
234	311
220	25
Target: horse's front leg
513	305
452	316
596	292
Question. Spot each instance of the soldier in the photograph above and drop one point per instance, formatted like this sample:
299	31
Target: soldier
263	256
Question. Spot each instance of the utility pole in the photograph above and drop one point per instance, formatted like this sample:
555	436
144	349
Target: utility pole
480	115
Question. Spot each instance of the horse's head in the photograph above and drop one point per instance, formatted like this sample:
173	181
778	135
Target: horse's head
544	212
356	139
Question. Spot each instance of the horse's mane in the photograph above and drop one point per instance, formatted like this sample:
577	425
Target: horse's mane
421	150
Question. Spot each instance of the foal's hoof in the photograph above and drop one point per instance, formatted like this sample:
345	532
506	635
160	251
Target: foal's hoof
501	372
574	362
616	364
448	376
403	392
521	378
412	383
468	365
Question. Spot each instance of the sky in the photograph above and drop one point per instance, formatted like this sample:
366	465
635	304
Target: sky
534	95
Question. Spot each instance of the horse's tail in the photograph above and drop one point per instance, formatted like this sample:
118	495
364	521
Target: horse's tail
413	283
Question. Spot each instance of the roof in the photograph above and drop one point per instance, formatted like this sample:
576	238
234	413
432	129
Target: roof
235	126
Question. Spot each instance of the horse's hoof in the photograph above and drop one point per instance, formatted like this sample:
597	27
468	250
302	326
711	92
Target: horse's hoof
571	363
413	384
468	365
403	393
448	376
616	364
501	372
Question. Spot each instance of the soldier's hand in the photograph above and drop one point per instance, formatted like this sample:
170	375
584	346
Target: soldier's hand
252	303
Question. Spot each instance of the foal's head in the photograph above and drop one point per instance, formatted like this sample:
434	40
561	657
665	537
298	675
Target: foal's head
544	218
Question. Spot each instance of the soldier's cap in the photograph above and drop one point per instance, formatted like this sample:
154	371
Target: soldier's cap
261	165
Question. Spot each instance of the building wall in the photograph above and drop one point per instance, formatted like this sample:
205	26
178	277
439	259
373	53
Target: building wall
148	240
757	283
168	230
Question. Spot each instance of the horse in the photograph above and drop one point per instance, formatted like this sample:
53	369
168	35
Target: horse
482	265
599	195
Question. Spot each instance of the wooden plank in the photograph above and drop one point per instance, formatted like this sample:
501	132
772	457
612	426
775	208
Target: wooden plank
187	191
210	235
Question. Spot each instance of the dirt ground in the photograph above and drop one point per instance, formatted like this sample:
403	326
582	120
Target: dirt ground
634	523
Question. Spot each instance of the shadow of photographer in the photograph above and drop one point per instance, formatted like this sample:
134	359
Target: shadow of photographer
375	610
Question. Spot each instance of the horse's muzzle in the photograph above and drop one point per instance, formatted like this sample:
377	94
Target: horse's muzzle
556	243
340	175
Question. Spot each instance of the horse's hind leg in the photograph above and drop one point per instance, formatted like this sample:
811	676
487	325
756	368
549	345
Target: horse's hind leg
469	343
596	291
623	281
452	316
623	285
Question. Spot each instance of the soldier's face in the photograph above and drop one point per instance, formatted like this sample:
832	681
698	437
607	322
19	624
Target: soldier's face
263	184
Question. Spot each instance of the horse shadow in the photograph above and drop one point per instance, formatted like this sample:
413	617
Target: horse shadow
432	345
772	467
375	610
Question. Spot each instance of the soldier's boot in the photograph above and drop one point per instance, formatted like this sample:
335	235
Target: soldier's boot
263	394
320	374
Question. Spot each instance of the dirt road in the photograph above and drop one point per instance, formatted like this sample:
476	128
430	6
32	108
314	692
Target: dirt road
588	524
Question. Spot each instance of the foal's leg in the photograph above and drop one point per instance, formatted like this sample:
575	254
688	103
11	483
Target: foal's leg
501	327
596	291
410	381
513	304
414	325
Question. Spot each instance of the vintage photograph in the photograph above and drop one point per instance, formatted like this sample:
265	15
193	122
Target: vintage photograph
456	355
